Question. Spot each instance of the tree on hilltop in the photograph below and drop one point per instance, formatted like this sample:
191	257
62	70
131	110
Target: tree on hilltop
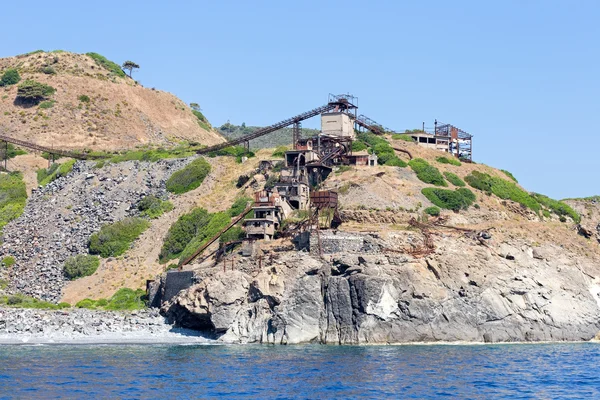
195	106
130	66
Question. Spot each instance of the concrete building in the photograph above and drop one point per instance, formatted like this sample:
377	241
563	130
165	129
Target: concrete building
337	124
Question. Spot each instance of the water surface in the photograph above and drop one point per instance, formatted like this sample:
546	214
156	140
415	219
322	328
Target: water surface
307	372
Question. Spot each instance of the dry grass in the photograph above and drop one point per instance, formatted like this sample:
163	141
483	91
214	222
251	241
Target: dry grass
120	114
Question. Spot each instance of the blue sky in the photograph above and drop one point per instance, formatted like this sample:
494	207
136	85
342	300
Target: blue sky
522	76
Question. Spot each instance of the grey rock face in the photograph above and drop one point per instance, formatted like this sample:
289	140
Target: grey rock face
463	292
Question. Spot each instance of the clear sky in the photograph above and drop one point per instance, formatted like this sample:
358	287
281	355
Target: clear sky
522	75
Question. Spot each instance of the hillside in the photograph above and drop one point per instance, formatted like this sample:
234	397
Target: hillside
94	106
497	264
282	137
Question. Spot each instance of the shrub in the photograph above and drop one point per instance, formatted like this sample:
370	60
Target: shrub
343	168
217	222
81	265
454	179
188	178
114	239
502	188
110	66
86	303
403	136
427	173
199	115
56	170
451	161
238	206
459	199
562	218
234	151
126	299
557	207
49	70
13	196
32	92
182	232
10	77
153	207
280	152
357	146
47	104
233	234
8	261
14	151
21	301
395	162
433	211
511	176
84	98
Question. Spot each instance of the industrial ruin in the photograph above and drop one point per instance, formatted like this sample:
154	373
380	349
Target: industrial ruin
311	160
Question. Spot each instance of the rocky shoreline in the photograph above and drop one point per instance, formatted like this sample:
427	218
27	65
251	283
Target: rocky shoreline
82	326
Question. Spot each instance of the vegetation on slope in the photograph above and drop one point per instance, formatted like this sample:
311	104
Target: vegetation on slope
449	160
114	239
188	178
511	176
459	199
282	137
426	172
454	179
502	188
56	170
153	207
124	299
105	63
32	92
233	151
13	196
10	77
557	207
22	301
380	147
81	265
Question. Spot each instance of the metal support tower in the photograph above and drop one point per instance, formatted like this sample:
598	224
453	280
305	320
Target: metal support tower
296	133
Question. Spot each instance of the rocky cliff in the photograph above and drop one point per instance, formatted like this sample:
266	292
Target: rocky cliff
468	290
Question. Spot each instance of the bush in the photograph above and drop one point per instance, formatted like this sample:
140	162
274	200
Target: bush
238	206
84	98
451	161
233	234
81	265
126	299
199	115
32	92
49	70
234	151
357	146
188	178
107	64
433	211
454	179
459	199
8	261
10	77
403	136
153	207
21	301
47	104
557	207
511	176
13	196
502	188
427	173
115	239
395	162
217	222
56	170
14	151
86	303
280	152
182	232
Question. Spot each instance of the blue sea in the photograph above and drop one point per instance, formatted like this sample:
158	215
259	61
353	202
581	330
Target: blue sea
306	372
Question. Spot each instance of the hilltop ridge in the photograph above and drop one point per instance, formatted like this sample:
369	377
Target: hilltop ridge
95	106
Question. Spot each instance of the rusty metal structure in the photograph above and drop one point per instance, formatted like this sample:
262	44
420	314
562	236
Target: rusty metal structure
50	150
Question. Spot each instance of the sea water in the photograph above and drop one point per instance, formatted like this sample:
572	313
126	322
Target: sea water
306	372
